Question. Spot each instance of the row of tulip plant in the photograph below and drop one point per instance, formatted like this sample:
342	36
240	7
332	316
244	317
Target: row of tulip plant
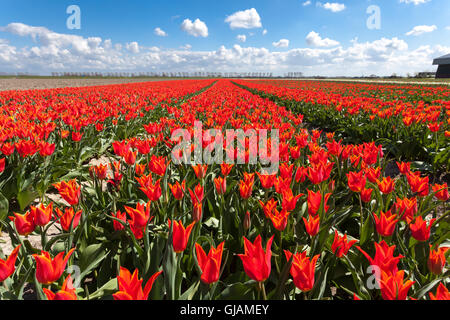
329	224
411	122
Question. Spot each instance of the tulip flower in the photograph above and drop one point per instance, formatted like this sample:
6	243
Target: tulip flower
373	174
302	270
66	218
301	174
226	169
315	200
320	172
46	149
247	221
200	170
221	185
312	225
245	189
441	191
152	191
49	270
289	201
67	291
393	286
406	208
197	212
158	165
140	169
268	207
419	229
100	171
130	286
366	195
42	215
281	184
69	191
356	181
140	216
209	264
386	185
121	148
178	189
76	136
384	257
180	235
436	260
418	185
441	293
404	167
385	223
266	180
197	194
341	245
130	157
2	165
24	223
279	219
286	171
8	266
255	260
121	216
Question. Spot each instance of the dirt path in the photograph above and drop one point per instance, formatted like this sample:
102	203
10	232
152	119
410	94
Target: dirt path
46	83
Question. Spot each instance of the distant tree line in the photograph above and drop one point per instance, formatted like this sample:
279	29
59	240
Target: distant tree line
199	74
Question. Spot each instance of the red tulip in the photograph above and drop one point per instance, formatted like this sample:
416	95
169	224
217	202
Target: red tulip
436	260
200	171
257	262
180	235
441	293
312	225
50	270
266	180
221	185
356	181
130	286
69	191
393	286
302	270
384	257
42	215
158	165
7	266
209	264
418	185
67	291
385	223
419	229
341	245
178	189
441	191
24	223
66	218
386	185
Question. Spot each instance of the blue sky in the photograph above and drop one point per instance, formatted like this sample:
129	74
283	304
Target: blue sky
319	37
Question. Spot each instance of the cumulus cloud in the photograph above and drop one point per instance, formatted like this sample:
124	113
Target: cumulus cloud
418	30
159	32
53	51
241	37
186	47
306	3
315	40
133	47
247	19
265	32
333	7
283	43
415	2
197	28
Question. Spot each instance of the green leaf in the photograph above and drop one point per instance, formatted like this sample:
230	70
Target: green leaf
108	288
419	294
4	207
25	197
189	293
91	257
366	231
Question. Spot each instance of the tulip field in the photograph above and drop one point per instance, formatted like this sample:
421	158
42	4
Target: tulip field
357	208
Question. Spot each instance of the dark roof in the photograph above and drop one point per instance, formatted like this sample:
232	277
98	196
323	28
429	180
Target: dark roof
442	60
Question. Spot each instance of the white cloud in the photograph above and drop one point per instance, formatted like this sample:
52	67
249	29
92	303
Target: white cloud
247	19
53	51
197	28
306	3
418	30
447	28
132	47
416	2
159	32
315	40
283	43
333	7
186	47
241	37
265	32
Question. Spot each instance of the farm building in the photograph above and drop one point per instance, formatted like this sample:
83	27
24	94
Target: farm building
443	70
